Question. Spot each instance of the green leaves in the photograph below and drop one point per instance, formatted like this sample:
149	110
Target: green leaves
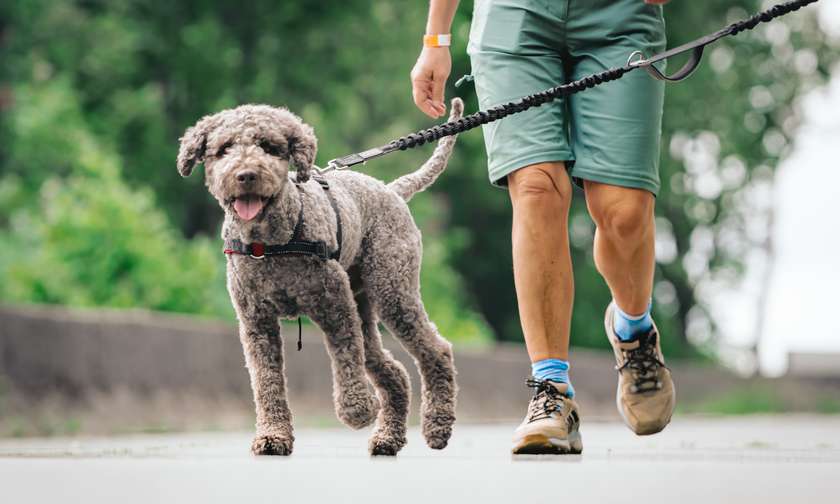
94	96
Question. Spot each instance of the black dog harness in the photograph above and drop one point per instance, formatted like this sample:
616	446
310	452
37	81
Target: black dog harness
296	246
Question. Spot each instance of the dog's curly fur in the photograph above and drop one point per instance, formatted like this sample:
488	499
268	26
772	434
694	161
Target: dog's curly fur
377	275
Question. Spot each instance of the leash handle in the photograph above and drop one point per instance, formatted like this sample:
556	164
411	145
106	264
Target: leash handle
683	73
696	47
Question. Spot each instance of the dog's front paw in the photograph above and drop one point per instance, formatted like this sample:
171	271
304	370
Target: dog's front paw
358	411
272	444
439	440
437	428
384	444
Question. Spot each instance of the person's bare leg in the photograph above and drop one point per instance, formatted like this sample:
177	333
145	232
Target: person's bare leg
542	265
624	242
624	255
542	270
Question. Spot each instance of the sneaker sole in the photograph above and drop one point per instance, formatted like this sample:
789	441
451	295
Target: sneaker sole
655	429
539	444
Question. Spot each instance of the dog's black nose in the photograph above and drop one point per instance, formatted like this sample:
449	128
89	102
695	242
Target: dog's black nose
246	176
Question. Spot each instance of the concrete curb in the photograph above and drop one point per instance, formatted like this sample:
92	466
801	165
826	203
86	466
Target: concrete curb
125	370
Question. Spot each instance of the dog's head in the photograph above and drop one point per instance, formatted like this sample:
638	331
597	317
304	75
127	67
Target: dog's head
246	153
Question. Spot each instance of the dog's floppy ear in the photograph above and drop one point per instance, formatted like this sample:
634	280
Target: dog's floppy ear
194	145
302	148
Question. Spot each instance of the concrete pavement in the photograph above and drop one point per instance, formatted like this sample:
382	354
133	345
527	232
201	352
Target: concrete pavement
740	459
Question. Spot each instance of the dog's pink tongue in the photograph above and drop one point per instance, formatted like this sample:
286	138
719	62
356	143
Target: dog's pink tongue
247	207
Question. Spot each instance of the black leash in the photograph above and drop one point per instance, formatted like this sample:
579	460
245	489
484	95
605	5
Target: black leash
535	100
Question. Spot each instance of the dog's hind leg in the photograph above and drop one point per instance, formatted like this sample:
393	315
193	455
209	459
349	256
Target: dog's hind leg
406	318
259	333
392	385
393	286
334	310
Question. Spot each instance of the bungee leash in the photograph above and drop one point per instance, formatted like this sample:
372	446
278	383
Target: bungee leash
636	60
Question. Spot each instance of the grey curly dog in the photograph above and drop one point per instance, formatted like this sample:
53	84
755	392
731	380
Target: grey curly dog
247	153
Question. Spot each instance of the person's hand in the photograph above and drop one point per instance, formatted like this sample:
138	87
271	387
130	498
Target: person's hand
428	79
657	2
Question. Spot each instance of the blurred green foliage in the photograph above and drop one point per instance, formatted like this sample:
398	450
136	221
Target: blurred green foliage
740	401
94	95
84	237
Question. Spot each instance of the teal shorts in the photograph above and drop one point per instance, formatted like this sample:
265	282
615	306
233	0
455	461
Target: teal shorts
608	134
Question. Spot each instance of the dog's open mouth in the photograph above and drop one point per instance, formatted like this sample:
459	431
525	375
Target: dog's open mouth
248	206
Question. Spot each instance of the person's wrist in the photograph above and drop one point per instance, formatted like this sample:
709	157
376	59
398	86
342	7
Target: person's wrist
434	52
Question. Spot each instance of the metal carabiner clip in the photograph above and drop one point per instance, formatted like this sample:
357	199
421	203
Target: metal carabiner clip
639	62
332	165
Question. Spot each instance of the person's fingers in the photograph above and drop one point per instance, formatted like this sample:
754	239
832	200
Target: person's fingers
421	91
419	88
417	94
438	83
436	108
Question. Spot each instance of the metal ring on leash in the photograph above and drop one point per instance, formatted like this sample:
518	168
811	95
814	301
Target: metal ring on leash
321	171
332	165
637	62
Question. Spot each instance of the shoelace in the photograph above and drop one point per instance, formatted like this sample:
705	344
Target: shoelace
644	364
546	401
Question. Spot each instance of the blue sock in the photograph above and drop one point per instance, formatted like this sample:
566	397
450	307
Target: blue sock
628	326
555	370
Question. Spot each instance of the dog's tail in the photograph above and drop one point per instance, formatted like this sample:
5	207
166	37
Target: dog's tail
411	184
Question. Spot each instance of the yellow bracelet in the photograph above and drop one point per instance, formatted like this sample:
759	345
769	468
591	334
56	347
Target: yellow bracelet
437	40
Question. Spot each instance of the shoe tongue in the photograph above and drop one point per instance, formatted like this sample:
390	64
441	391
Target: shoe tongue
247	207
639	339
629	345
563	388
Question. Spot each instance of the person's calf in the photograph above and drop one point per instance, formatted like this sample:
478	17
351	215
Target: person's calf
624	242
542	268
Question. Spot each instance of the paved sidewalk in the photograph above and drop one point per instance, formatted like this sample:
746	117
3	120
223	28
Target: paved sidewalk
744	459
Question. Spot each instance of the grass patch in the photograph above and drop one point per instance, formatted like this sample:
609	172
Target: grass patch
828	405
760	400
739	402
156	429
72	426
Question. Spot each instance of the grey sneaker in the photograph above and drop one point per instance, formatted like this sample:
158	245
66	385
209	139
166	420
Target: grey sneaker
645	396
552	425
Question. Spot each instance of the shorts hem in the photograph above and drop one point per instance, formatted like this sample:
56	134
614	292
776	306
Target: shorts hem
498	175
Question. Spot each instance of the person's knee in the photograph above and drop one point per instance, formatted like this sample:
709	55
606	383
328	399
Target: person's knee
544	186
626	217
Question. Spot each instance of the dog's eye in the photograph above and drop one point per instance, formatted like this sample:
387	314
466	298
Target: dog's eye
223	149
270	148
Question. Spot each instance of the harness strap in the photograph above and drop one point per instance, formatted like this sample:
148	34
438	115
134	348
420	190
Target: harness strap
338	234
258	250
296	246
298	232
